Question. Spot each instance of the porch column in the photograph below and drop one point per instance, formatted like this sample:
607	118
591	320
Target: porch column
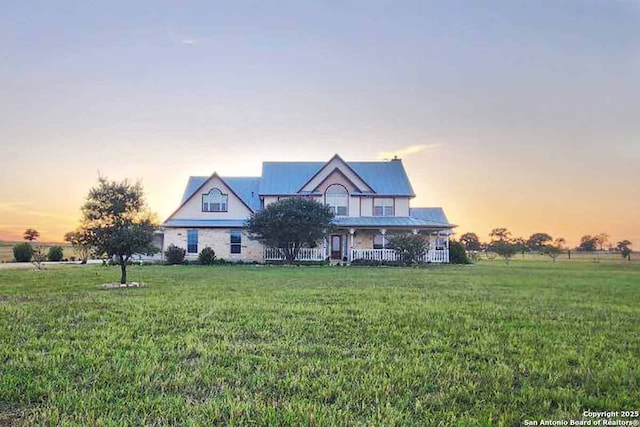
325	248
352	231
446	248
383	231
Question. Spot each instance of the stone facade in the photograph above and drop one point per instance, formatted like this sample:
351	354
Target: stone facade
218	239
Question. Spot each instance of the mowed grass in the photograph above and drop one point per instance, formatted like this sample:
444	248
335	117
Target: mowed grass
487	344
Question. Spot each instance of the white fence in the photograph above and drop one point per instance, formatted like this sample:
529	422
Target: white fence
305	254
374	254
320	254
433	255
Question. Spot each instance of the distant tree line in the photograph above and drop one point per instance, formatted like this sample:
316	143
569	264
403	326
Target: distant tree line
501	243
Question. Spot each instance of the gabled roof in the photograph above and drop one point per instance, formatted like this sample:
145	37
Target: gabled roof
286	177
246	188
246	185
328	171
386	178
429	214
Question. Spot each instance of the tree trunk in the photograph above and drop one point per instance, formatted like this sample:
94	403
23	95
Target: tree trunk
123	269
290	253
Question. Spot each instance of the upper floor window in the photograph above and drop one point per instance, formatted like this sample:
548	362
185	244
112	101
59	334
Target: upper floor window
214	201
383	207
337	198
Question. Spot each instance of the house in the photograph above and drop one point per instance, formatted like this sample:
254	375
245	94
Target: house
371	200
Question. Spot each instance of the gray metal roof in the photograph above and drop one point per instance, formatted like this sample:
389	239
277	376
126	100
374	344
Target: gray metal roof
385	178
245	187
286	177
208	223
282	178
388	221
429	214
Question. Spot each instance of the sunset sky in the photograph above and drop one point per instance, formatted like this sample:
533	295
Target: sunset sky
522	114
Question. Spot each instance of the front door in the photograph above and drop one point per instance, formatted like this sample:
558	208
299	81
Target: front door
336	247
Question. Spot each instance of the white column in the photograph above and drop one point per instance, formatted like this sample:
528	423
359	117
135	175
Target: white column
325	252
383	231
446	259
352	231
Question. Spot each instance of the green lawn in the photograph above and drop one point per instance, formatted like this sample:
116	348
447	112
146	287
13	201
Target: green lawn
471	345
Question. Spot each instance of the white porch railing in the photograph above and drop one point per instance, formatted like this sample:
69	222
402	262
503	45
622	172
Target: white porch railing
305	254
433	255
437	255
319	254
374	254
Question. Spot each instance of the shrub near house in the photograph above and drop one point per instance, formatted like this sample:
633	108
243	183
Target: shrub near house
174	255
207	256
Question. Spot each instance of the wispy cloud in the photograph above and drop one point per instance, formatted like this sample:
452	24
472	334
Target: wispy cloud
181	39
12	206
27	210
406	151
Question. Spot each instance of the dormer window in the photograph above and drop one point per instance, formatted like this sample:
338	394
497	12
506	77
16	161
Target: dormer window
214	201
337	198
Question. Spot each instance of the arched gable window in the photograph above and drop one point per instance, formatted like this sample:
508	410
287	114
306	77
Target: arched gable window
337	198
214	201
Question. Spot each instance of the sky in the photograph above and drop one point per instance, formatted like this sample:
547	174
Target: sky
517	114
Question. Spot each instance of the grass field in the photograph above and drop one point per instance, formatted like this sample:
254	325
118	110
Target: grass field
6	250
487	344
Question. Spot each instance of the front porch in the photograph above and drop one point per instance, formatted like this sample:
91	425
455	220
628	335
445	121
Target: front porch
367	244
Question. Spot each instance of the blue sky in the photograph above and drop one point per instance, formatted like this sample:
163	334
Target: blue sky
516	110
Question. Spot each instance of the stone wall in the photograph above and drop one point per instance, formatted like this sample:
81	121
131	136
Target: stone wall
218	239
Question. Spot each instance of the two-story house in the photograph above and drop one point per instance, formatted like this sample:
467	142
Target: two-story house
371	201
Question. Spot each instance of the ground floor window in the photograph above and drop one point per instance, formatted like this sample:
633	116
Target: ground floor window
380	241
192	241
236	241
441	243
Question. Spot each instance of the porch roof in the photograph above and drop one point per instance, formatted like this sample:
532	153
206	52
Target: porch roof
207	223
388	221
429	214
